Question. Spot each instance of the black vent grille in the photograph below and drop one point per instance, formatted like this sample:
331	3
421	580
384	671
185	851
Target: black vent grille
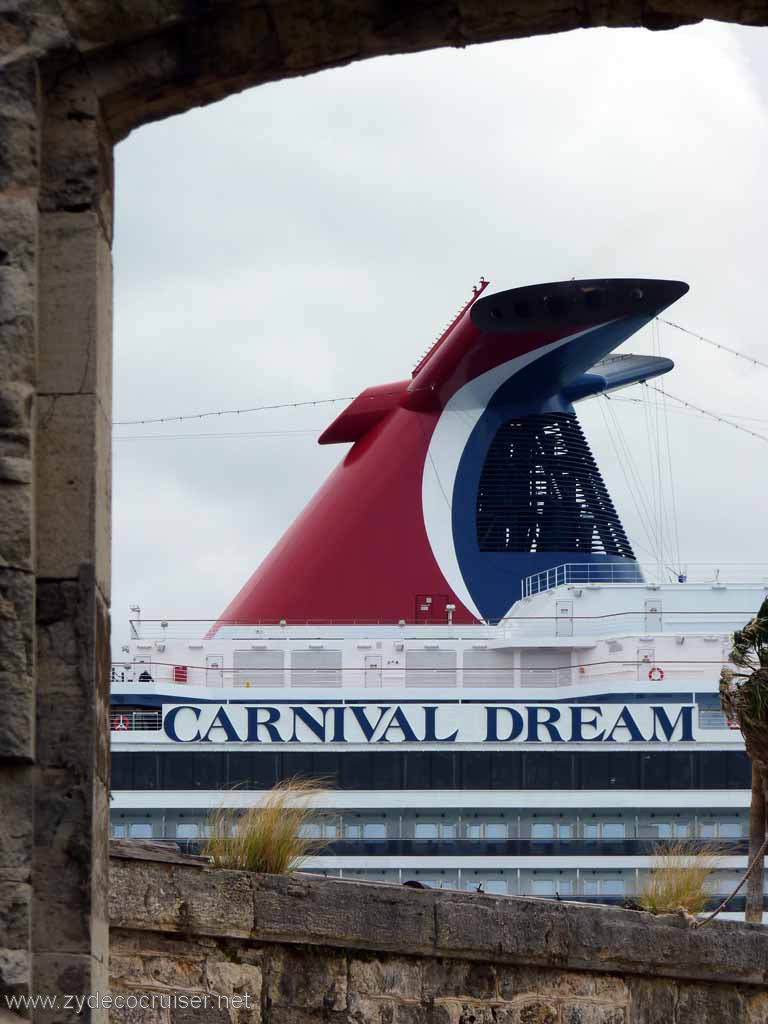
541	490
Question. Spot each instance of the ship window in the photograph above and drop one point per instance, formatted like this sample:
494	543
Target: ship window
564	831
187	830
310	830
144	771
542	830
496	886
140	830
614	830
119	832
356	771
496	830
387	772
476	770
730	830
426	830
540	490
669	829
613	887
375	830
397	769
542	887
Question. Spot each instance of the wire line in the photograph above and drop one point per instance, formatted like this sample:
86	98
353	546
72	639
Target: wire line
229	412
715	344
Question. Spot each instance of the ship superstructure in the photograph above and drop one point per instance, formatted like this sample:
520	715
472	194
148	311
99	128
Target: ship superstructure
457	635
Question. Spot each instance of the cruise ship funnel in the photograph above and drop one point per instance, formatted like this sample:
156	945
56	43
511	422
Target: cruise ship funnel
472	474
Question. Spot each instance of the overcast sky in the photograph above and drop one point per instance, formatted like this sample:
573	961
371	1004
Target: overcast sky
309	238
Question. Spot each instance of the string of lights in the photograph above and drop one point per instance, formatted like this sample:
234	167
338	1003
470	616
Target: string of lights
228	412
715	344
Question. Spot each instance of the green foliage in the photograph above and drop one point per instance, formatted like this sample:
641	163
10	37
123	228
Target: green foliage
744	694
266	837
678	877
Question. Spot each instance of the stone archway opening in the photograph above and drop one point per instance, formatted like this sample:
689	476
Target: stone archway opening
76	77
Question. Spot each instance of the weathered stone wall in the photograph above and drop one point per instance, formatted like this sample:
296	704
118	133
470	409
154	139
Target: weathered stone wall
75	77
307	950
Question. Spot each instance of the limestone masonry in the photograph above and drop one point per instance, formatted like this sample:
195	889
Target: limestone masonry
311	950
75	77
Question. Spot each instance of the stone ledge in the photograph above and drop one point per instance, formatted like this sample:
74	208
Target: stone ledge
187	898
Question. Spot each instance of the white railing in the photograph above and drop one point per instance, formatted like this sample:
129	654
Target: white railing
128	721
734	573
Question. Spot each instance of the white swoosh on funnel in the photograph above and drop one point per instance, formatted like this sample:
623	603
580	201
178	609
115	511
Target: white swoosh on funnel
449	439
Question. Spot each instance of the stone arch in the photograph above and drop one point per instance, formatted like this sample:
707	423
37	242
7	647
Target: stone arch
76	76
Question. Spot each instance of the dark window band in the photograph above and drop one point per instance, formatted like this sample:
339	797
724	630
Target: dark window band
396	769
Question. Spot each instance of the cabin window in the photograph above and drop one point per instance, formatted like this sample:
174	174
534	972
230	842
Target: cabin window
187	830
140	830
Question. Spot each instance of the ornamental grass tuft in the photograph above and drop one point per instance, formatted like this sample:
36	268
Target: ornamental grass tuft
268	837
679	877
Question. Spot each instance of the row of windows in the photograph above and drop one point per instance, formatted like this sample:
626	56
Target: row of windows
492	831
506	770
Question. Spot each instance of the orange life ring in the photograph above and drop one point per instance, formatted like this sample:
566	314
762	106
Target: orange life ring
656	674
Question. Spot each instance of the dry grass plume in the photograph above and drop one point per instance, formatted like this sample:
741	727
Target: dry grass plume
678	877
266	837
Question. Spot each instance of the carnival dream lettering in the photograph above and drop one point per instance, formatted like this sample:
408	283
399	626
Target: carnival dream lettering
393	723
580	723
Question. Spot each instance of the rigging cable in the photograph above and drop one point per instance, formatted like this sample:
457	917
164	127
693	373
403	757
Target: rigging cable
229	412
711	415
629	472
715	344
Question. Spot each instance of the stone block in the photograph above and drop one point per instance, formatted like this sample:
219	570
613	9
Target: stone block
387	976
17	682
15	909
227	978
16	816
201	1015
757	1009
62	862
511	927
196	901
339	913
77	164
17	351
73	487
19	118
16	550
14	972
592	1013
461	1012
135	1014
517	982
75	307
308	983
62	974
19	220
459	978
705	1004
